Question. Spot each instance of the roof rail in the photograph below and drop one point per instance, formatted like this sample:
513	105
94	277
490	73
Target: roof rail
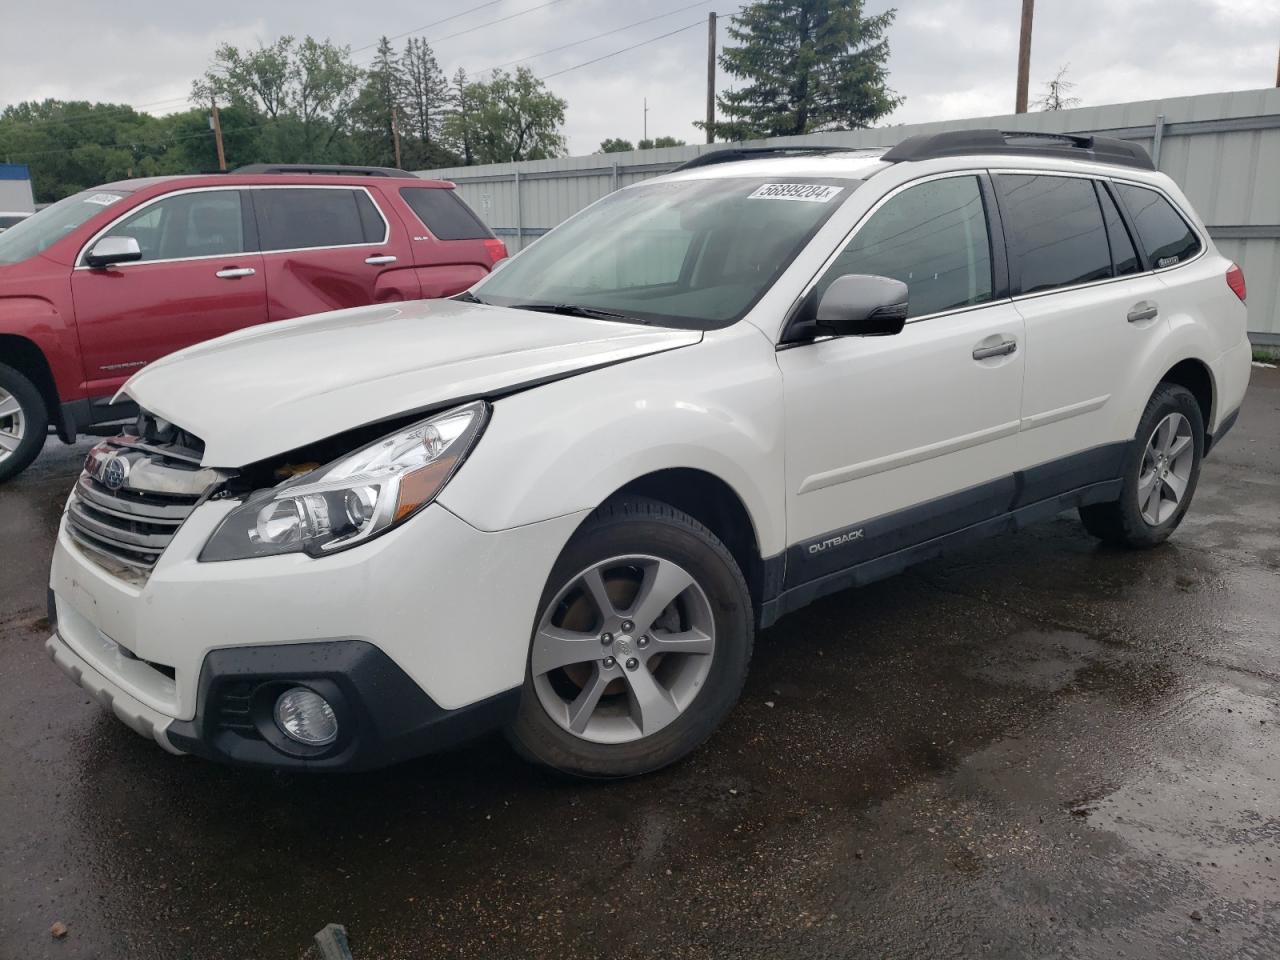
322	169
1025	143
730	154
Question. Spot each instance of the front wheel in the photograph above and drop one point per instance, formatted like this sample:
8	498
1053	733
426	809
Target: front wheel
1160	473
24	422
641	645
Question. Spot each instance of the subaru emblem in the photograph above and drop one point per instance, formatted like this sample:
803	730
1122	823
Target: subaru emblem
113	472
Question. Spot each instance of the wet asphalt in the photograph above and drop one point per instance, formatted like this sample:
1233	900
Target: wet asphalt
1038	747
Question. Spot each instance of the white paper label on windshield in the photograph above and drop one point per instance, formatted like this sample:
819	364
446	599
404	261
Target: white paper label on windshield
807	192
102	199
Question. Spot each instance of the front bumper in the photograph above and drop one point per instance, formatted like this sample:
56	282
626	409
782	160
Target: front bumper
422	635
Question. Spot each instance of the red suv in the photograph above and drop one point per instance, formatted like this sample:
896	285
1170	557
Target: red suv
104	282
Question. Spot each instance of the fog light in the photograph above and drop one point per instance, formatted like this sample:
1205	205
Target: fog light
305	716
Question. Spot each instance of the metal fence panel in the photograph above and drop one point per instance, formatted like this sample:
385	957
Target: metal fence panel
1223	149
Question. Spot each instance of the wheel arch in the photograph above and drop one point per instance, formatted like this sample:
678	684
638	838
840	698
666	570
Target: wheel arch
25	356
715	504
1197	377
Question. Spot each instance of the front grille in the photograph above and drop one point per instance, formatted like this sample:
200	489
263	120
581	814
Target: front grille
126	526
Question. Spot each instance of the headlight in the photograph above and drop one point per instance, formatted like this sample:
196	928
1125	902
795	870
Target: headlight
354	498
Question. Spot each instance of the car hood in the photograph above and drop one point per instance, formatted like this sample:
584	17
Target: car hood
272	388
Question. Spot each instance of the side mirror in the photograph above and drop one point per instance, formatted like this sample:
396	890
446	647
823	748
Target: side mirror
111	250
861	305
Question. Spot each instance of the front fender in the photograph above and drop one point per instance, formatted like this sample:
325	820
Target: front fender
39	321
567	446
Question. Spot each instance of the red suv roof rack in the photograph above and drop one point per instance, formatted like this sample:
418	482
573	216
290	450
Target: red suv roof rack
322	169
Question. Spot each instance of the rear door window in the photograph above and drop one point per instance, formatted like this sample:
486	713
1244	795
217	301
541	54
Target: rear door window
444	213
1123	255
933	237
1165	235
1056	236
299	218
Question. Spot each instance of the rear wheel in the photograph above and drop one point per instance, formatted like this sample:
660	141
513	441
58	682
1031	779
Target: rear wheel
1160	473
24	422
640	648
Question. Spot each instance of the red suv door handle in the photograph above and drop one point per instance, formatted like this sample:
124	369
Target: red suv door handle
235	273
379	259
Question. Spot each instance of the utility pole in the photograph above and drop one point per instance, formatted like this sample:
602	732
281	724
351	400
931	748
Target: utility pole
646	118
216	124
1278	69
711	76
1024	56
395	133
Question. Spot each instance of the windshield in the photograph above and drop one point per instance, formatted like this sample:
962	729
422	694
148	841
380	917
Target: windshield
696	254
38	232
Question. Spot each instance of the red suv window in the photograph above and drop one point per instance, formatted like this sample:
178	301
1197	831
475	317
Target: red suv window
444	214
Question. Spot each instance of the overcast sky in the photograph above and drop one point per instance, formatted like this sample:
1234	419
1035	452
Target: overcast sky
950	58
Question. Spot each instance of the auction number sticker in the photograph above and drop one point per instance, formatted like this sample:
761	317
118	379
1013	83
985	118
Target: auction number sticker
102	199
806	192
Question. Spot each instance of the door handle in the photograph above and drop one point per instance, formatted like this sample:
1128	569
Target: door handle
1143	310
995	350
379	259
235	273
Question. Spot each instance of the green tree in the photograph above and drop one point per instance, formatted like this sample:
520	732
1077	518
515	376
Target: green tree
660	142
425	91
376	109
808	65
510	117
304	91
616	145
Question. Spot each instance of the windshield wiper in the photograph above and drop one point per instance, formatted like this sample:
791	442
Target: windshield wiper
577	310
466	296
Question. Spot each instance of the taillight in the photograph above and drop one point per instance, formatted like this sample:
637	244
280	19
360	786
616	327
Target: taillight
498	250
1235	280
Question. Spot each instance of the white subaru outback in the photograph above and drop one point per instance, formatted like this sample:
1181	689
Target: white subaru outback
562	503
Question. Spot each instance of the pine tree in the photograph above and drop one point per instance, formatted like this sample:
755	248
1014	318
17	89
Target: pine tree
809	65
426	91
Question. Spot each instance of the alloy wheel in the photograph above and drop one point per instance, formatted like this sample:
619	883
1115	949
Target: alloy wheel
12	424
623	649
1166	469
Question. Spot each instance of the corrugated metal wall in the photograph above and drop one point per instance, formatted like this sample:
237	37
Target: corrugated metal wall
1223	149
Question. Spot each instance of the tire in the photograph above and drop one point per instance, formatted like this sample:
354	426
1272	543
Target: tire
666	675
30	419
1132	521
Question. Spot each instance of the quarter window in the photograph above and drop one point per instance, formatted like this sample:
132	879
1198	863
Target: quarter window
1055	231
1123	255
205	224
444	214
1163	232
933	237
296	219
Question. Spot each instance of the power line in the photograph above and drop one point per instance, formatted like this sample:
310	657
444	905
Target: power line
634	46
598	36
107	110
479	26
428	26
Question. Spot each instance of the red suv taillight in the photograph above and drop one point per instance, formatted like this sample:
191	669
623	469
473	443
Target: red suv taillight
498	250
1235	280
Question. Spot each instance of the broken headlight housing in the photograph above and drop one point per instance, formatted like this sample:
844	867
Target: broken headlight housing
354	498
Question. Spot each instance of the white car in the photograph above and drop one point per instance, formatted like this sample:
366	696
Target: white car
563	503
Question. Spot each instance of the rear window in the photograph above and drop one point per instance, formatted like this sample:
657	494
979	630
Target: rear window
1167	237
444	214
303	217
1055	231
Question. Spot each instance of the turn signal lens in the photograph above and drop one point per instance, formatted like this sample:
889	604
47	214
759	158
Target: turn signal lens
1235	280
496	248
